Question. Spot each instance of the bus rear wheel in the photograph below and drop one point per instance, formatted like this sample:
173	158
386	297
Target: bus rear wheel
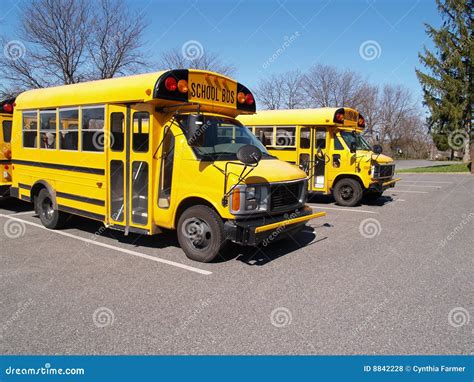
200	233
49	216
347	192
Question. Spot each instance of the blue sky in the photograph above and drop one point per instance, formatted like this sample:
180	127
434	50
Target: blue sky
247	33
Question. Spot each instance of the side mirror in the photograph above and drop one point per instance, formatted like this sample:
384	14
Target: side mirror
249	155
377	149
196	130
353	147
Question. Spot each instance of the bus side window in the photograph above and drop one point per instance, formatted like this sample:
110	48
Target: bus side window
337	144
285	136
93	138
305	141
48	129
117	129
30	129
265	135
7	131
321	138
141	130
69	129
166	173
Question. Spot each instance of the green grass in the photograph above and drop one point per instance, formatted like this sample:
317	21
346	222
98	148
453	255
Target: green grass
458	167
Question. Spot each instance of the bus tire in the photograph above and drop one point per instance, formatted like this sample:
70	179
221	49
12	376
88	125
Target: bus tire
49	216
347	192
200	233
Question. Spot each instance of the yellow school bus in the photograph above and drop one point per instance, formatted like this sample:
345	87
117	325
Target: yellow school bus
6	115
153	151
328	144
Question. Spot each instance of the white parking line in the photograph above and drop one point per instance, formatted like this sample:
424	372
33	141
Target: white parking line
342	209
424	181
416	185
123	250
22	213
414	192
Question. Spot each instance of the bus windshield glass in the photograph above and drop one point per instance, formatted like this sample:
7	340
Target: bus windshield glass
221	138
352	136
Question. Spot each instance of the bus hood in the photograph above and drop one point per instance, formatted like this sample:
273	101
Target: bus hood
270	171
368	155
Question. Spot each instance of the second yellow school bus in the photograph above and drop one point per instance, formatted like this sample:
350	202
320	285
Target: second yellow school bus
152	151
6	116
328	144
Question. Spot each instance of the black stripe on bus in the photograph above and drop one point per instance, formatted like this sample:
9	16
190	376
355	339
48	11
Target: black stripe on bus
140	231
5	161
55	166
76	211
25	198
78	198
24	186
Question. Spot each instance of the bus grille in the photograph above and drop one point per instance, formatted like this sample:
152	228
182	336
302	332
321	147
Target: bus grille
384	171
285	196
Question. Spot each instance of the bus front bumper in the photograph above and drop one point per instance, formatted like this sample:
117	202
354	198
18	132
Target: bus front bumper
381	186
257	230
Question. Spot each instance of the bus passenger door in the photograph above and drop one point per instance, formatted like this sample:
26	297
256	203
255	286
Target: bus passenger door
319	158
129	167
304	153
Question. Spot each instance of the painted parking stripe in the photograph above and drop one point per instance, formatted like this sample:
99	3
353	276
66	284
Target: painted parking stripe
424	181
123	250
22	213
342	209
414	192
416	185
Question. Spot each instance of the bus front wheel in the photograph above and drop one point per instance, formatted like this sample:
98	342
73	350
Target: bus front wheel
49	216
200	233
347	192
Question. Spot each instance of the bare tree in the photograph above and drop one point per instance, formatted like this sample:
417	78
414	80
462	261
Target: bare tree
193	55
282	91
115	42
327	86
68	41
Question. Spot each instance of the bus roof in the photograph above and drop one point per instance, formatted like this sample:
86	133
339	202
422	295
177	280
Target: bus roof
148	87
317	116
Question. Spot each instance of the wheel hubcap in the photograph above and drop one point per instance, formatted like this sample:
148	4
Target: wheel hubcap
47	208
347	192
197	232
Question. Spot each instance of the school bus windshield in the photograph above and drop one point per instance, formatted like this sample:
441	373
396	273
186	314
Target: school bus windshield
221	138
353	136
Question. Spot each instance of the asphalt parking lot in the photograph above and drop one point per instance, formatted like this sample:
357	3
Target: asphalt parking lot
390	277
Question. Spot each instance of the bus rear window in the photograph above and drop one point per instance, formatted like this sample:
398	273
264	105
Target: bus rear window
7	131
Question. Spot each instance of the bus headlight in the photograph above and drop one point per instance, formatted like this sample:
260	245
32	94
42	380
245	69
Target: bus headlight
249	199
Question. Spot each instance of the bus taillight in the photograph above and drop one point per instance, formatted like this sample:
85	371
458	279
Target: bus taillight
249	99
339	116
8	107
241	97
170	84
183	86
